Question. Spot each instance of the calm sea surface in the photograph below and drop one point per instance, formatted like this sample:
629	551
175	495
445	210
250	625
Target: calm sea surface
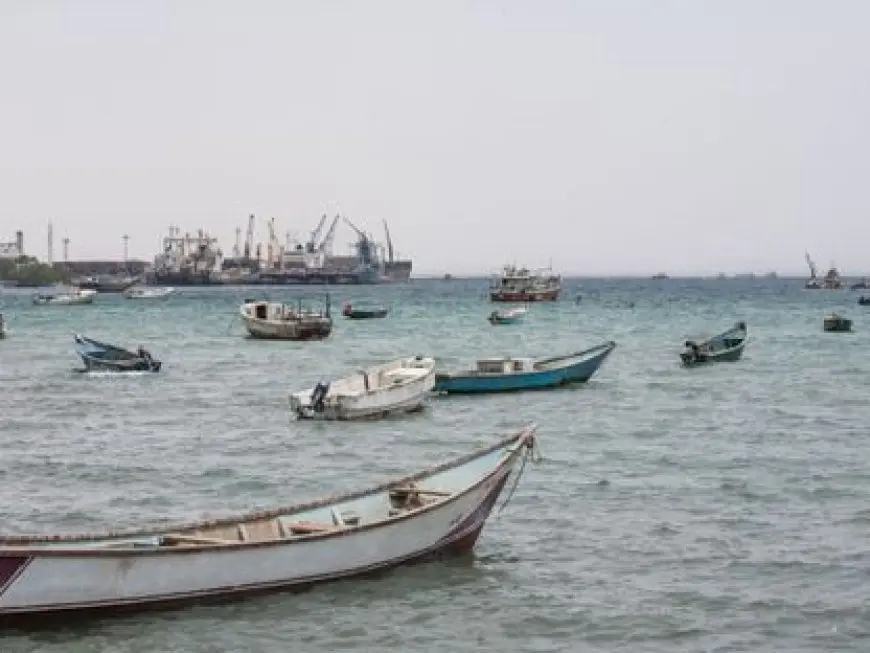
715	509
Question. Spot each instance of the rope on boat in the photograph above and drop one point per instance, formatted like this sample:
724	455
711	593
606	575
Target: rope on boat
532	452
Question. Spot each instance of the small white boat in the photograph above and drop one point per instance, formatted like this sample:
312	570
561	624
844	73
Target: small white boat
435	513
276	321
399	386
138	292
65	298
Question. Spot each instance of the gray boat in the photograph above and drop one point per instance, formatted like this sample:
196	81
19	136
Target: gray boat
725	347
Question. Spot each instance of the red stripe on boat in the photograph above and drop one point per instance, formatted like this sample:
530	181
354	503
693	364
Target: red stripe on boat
10	569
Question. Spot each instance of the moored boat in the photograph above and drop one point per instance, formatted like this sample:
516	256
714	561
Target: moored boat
437	512
837	323
395	387
831	280
508	374
363	313
98	355
107	282
726	347
138	292
519	285
74	296
864	301
509	316
276	321
2	326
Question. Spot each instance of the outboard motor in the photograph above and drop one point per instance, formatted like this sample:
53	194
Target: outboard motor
318	396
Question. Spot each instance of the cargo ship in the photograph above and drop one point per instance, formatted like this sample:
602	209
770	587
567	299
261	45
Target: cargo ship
197	260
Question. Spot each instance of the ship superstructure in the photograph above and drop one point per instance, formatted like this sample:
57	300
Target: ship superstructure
520	285
831	280
188	259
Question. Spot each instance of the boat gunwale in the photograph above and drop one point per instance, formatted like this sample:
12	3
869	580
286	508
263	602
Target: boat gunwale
17	545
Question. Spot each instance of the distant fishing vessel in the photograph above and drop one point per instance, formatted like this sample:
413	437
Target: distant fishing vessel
837	323
137	292
831	280
660	275
107	283
276	321
509	316
520	285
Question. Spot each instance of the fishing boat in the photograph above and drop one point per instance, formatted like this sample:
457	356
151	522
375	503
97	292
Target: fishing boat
138	292
71	297
862	284
837	323
507	374
429	515
398	386
2	326
98	355
831	280
725	347
509	316
363	313
864	301
276	321
520	285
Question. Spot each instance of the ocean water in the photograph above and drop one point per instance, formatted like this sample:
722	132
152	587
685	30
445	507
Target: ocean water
724	508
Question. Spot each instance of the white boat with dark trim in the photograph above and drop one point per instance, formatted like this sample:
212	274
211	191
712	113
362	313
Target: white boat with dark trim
276	321
398	386
138	292
437	512
65	298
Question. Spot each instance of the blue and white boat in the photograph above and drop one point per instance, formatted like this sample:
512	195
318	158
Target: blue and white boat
507	374
100	356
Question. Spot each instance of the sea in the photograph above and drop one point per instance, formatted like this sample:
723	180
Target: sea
721	508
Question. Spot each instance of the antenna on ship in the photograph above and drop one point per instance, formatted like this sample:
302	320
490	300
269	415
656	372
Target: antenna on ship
50	245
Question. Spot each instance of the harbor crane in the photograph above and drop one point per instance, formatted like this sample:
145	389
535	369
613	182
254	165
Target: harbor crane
310	246
249	238
326	245
389	242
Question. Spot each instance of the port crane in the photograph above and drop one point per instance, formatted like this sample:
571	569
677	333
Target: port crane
310	246
365	245
389	242
249	238
326	246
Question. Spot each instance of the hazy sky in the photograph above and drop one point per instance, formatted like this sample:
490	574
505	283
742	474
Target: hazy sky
607	137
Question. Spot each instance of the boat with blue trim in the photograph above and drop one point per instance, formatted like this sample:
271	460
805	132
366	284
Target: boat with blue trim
509	374
101	356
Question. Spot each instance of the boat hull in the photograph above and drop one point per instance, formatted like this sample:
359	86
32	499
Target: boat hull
45	582
727	356
390	400
468	383
77	299
365	314
314	329
550	295
98	356
727	347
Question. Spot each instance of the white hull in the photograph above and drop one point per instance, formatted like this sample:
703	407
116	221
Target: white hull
54	576
396	387
148	293
66	299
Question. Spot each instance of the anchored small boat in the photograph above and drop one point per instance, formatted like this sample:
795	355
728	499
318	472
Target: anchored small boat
726	347
508	316
507	374
363	313
396	387
65	298
138	292
2	326
98	355
437	512
837	323
864	301
276	321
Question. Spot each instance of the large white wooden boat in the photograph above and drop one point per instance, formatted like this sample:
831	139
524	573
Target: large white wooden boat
398	386
436	512
65	298
276	321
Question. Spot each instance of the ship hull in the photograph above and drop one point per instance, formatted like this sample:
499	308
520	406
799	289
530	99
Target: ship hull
524	296
181	279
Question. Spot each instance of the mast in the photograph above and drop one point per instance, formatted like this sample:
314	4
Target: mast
389	242
811	264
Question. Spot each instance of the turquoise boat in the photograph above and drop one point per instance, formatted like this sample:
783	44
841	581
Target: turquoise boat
509	374
727	347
